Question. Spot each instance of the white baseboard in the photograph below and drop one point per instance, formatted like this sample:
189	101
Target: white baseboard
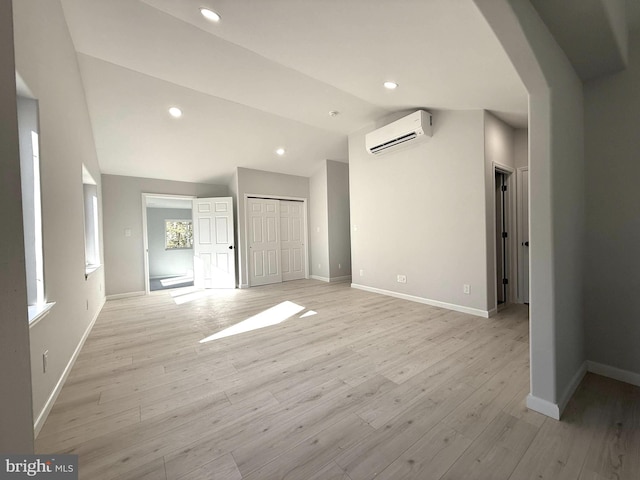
318	277
346	278
571	388
554	410
42	416
126	295
544	407
427	301
613	372
244	285
493	312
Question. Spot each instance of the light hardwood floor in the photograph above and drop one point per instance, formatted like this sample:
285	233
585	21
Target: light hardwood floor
368	386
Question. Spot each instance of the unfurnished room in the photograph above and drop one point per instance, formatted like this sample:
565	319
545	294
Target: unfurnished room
319	239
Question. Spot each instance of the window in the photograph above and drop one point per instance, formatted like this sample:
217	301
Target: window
32	207
178	234
91	222
37	221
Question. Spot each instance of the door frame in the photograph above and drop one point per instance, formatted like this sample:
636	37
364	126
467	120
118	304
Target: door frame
512	268
145	234
245	242
521	216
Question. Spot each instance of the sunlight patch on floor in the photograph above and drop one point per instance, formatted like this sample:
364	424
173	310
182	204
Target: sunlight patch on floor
184	291
190	294
167	282
266	318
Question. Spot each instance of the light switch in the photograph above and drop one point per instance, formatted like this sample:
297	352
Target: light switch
127	232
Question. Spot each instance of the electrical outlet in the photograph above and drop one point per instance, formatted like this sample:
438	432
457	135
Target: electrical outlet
466	289
362	273
45	361
319	265
339	266
402	279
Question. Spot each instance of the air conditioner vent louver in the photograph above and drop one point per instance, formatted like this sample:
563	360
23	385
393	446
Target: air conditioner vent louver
394	142
409	129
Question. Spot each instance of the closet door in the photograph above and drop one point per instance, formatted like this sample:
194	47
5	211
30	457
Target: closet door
264	241
291	240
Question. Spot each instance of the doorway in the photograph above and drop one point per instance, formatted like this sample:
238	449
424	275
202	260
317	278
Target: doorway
168	241
505	266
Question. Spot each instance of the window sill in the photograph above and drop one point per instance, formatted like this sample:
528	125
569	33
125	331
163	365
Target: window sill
89	269
38	312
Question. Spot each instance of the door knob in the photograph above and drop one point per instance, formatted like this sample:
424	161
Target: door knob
525	244
230	247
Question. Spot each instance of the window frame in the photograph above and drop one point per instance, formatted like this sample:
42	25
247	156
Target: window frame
91	216
177	220
32	212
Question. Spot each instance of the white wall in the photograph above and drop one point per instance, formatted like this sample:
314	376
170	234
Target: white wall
556	200
258	182
339	227
521	147
420	212
329	222
46	61
499	142
319	224
122	201
612	116
16	414
163	262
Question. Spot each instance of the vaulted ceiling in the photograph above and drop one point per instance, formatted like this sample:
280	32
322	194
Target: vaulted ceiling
592	33
268	74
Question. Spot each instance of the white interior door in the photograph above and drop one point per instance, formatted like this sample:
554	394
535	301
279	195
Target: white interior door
213	243
291	240
523	227
264	241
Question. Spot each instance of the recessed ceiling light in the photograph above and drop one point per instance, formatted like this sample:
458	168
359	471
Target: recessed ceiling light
175	112
334	113
390	85
280	151
210	14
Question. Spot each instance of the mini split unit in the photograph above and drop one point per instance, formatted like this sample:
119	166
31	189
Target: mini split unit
408	130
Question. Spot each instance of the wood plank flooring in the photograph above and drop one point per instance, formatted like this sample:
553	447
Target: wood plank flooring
354	386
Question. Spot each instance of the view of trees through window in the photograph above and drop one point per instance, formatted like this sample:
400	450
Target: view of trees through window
178	234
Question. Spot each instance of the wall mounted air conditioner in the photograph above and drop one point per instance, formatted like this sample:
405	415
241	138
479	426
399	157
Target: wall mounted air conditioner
405	131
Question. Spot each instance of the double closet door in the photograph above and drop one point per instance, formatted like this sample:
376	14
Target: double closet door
276	240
